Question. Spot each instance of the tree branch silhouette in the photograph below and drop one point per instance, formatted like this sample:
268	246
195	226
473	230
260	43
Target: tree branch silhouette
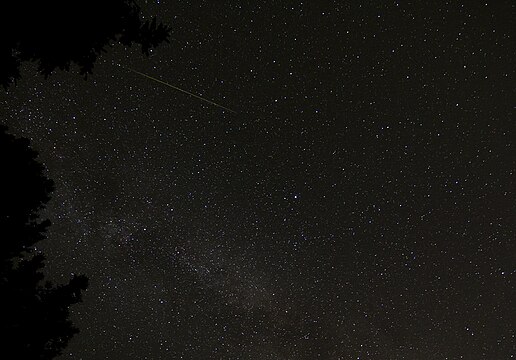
58	33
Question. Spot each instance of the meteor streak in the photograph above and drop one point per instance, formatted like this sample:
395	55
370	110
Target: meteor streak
179	89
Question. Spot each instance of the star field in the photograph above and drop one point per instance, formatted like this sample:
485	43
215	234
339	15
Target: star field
360	204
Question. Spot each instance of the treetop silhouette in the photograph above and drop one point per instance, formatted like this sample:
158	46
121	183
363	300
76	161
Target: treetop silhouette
57	33
34	313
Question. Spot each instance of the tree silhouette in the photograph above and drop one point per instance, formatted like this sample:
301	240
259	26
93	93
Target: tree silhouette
34	313
57	33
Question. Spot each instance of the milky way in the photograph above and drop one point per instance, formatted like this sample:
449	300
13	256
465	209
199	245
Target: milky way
360	204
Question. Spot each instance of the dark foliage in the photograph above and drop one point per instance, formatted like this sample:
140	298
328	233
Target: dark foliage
34	313
57	33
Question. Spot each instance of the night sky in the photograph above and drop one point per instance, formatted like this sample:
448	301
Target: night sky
359	203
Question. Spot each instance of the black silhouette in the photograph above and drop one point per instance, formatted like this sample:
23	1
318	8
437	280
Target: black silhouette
57	33
34	313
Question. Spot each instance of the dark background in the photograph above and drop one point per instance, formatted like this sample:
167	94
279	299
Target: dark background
359	204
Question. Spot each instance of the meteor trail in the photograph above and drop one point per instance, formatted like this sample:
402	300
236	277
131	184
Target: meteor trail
178	89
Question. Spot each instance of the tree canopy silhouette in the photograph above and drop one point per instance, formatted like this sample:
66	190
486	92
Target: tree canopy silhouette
57	33
34	313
